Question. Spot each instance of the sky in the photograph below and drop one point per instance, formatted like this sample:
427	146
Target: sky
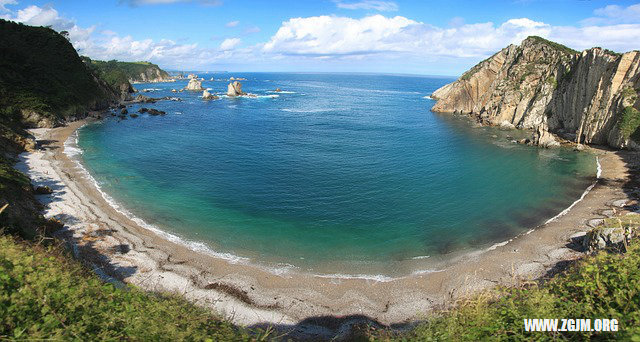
379	36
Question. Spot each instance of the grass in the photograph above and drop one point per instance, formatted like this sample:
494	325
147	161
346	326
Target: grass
117	73
559	47
629	123
606	285
44	294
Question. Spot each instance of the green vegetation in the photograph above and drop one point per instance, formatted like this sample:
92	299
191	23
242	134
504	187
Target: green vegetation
118	73
629	123
606	285
559	47
611	52
552	81
44	294
40	71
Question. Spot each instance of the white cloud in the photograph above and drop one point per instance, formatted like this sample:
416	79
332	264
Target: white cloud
615	14
4	3
339	36
376	5
232	23
343	43
48	16
229	43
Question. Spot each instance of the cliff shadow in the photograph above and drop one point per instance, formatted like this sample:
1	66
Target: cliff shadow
334	328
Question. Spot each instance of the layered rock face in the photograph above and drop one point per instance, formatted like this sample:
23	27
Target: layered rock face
589	97
194	85
235	89
151	74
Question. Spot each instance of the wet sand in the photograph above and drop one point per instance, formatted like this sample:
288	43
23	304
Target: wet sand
120	249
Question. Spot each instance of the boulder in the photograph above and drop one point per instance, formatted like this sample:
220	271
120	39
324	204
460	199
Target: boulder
278	90
134	115
155	112
174	91
206	95
507	125
124	111
194	85
144	99
543	138
43	190
235	89
613	238
143	110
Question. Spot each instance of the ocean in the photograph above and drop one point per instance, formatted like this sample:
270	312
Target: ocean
336	175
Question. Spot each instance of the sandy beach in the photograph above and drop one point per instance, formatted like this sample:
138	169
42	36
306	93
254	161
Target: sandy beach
121	249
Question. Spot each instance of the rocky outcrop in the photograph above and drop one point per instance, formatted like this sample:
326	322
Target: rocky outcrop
616	238
151	74
588	97
206	95
194	85
235	89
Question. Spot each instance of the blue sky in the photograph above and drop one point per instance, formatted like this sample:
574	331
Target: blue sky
420	37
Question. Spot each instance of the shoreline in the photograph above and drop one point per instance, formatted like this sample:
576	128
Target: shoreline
120	248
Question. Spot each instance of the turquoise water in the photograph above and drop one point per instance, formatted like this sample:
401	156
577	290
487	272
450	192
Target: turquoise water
349	174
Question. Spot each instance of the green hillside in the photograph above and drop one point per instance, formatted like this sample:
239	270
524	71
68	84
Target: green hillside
41	73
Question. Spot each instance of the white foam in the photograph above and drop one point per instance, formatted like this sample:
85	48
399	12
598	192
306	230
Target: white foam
281	92
421	257
377	277
193	245
589	188
499	244
422	272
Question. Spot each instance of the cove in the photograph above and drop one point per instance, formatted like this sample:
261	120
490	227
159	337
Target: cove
336	174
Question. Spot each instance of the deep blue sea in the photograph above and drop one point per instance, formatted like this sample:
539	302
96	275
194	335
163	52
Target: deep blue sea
336	174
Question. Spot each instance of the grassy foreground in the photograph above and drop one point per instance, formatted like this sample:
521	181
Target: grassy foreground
45	294
606	285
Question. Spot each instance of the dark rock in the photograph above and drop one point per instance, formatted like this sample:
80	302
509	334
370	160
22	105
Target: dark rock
124	111
43	190
134	115
143	110
155	112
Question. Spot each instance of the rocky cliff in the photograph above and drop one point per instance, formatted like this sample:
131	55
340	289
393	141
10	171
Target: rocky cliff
43	81
588	97
148	73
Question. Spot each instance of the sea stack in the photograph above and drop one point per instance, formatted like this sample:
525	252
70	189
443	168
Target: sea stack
206	95
235	89
194	85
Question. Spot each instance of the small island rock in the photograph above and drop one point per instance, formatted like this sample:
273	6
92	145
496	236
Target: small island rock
235	89
194	85
206	95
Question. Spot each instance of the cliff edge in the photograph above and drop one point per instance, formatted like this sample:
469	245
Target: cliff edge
588	97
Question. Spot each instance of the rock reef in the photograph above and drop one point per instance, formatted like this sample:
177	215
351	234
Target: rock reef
235	89
194	85
588	97
206	95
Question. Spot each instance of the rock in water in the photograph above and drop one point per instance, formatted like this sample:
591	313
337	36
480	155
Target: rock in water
278	90
235	89
194	85
155	112
206	95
